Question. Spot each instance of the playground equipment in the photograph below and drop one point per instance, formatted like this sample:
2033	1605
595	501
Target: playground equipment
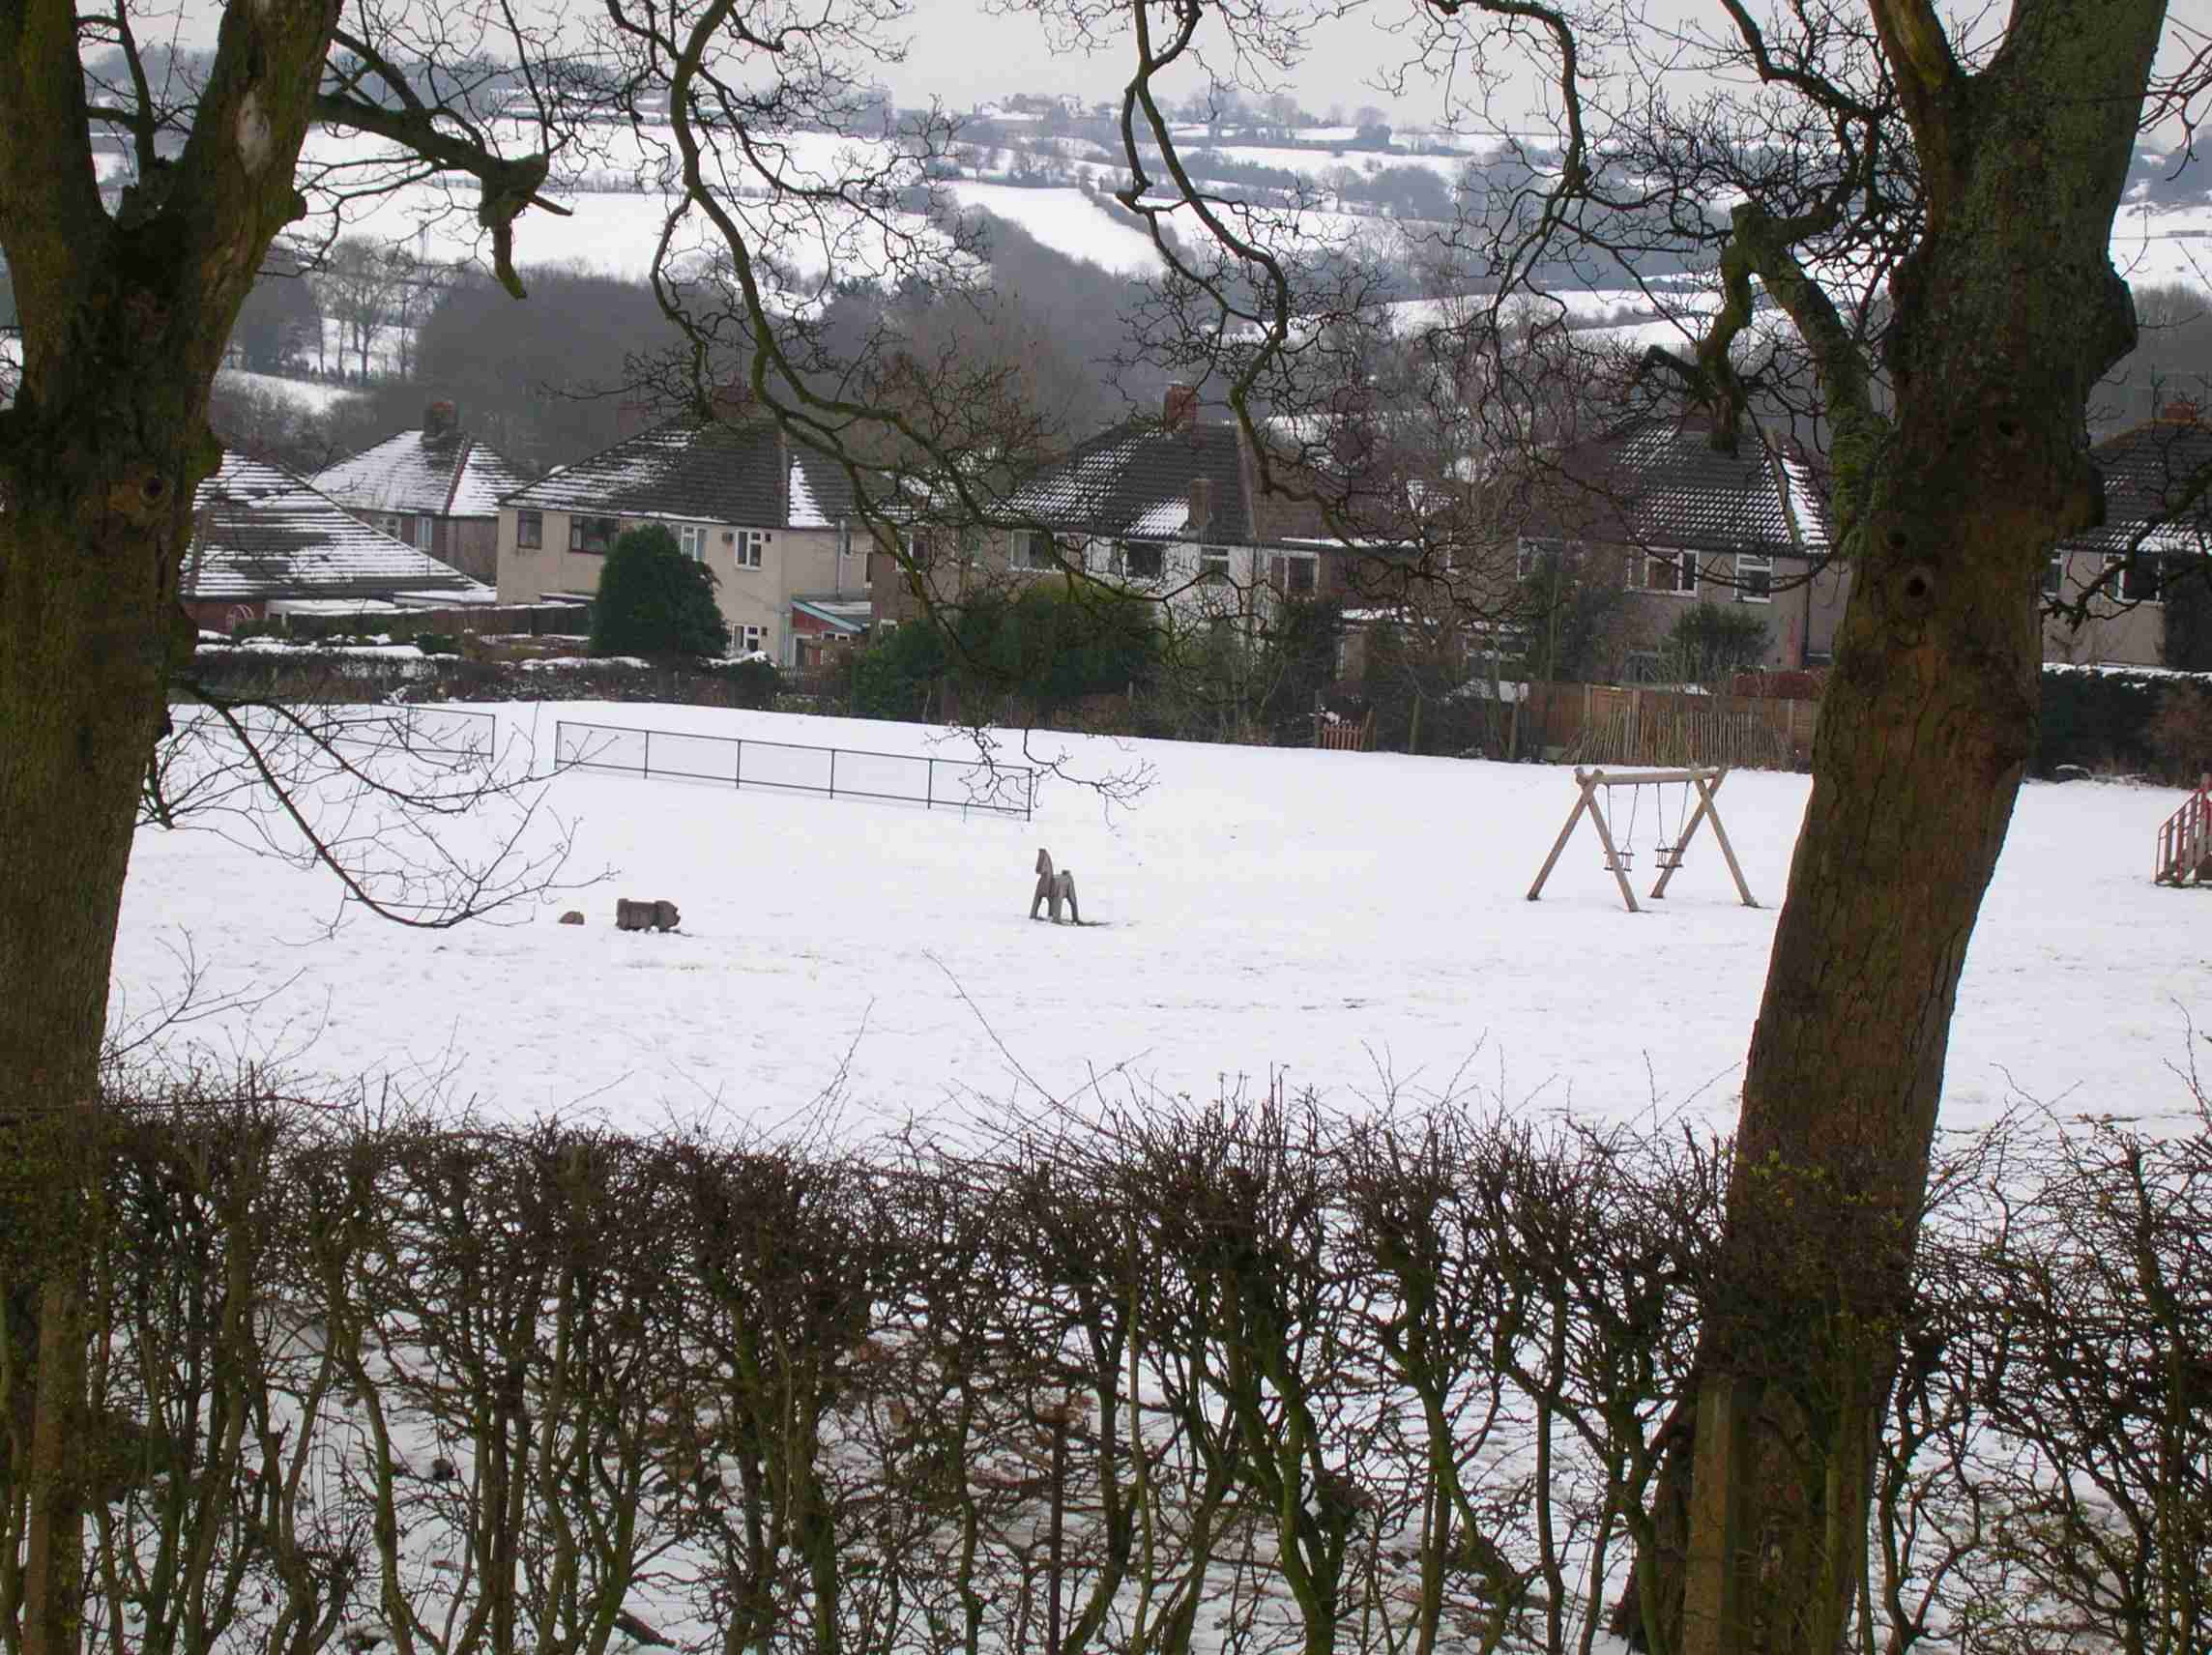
2185	840
1666	854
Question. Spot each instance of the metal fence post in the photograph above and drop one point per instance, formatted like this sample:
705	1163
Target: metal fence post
929	784
738	779
645	765
832	772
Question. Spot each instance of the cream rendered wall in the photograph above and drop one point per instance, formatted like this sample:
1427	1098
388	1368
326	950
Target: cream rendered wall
2133	634
793	560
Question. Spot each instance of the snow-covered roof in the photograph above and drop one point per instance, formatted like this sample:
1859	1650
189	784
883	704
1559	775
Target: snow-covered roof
703	470
2154	495
261	532
1657	480
441	471
1135	481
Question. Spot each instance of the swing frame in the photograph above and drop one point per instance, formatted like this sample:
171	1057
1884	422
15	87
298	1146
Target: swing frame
1707	779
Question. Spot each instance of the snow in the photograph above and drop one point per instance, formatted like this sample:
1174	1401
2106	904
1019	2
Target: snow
315	394
1070	221
1353	922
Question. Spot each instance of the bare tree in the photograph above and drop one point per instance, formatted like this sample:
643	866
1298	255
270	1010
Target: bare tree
358	286
1969	174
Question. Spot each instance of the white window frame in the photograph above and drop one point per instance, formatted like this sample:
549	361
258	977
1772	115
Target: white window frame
691	540
425	531
529	531
752	640
2144	565
1213	565
1754	564
1678	571
750	550
2054	576
1155	550
1024	551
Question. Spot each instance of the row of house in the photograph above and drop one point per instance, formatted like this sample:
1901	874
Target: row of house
1171	503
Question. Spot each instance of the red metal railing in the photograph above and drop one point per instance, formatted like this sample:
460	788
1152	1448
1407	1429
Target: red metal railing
2185	839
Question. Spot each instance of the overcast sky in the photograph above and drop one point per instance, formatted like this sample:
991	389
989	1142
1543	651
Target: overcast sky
964	52
964	56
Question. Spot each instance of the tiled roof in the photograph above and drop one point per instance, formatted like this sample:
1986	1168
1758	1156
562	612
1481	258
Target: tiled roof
2148	474
263	532
1657	480
449	474
1135	480
703	469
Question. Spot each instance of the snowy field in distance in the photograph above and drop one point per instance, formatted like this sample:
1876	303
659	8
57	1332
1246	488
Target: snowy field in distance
1346	920
1068	221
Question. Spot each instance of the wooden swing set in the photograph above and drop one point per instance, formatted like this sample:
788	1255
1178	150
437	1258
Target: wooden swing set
1666	854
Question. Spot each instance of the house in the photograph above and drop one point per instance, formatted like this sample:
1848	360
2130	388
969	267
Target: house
1171	507
773	520
267	543
2157	521
436	488
1654	506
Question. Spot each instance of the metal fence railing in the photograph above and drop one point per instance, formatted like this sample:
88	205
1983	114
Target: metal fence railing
847	772
427	731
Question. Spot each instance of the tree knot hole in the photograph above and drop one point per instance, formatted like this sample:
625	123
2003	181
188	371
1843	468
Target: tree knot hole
1917	587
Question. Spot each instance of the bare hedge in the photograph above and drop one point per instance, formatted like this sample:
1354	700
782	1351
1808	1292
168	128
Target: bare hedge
1243	1377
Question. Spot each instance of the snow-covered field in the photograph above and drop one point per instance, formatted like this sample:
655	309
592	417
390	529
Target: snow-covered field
1068	221
1354	923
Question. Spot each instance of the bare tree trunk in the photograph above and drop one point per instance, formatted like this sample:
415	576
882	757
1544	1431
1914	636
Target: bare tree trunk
2007	313
125	318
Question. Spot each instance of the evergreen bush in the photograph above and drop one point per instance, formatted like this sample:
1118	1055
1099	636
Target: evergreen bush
655	601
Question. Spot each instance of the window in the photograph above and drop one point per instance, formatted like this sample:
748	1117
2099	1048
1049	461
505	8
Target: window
1532	554
1032	551
1213	563
530	530
1140	559
1663	572
595	534
691	540
2140	578
425	531
391	524
1302	575
1754	578
751	543
2053	574
752	640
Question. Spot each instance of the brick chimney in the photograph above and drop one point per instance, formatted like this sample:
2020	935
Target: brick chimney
1178	408
440	419
1200	504
732	402
2181	411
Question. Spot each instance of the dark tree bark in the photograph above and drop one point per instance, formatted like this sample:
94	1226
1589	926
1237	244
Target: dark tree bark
1998	180
2007	312
125	316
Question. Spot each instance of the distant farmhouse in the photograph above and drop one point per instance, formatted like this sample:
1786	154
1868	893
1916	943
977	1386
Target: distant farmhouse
266	542
775	522
437	488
